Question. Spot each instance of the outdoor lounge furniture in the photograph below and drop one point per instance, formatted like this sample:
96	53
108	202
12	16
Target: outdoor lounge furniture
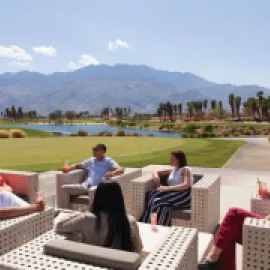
15	232
85	201
177	250
260	205
24	184
205	207
256	244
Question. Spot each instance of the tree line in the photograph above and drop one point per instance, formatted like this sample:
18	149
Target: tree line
257	108
17	113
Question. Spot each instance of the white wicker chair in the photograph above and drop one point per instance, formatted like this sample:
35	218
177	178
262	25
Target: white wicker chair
260	205
84	202
22	183
205	207
256	244
18	231
177	251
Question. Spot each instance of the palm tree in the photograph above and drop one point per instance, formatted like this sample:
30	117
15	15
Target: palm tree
220	108
213	104
13	112
205	103
232	104
237	102
260	98
180	109
20	112
190	109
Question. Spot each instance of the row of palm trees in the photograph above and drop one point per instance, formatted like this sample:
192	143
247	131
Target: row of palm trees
118	112
257	108
17	113
193	108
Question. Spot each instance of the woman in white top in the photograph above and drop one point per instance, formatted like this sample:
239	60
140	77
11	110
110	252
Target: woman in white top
176	194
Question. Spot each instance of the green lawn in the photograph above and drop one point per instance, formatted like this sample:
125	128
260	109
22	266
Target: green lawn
40	154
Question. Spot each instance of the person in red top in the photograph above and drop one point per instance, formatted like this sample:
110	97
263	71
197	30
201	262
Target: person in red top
13	206
230	232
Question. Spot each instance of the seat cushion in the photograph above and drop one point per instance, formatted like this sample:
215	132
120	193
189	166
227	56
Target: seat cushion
79	199
205	242
181	214
100	256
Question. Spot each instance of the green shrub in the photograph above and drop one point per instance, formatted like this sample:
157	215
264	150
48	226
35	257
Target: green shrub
204	135
131	124
82	133
211	135
120	133
191	136
208	128
17	133
145	125
184	135
247	132
226	134
108	134
73	134
135	134
151	135
190	128
197	135
4	134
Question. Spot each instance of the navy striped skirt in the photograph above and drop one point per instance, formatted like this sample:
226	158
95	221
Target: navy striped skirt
162	204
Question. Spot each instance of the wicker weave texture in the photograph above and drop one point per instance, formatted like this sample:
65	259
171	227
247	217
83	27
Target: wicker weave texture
256	244
177	251
74	177
205	207
78	176
260	205
22	183
31	256
18	231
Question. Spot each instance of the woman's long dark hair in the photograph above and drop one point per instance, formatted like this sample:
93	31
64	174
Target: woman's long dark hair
109	200
181	158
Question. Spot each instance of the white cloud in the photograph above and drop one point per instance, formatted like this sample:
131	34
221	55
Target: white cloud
18	64
15	52
72	65
84	60
118	43
47	51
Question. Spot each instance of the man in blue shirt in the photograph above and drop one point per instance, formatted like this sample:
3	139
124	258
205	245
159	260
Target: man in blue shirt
99	166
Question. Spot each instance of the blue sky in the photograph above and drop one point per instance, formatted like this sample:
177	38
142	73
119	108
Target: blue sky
222	41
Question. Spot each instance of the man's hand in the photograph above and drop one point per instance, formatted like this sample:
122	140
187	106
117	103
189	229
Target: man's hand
66	169
108	175
40	205
163	188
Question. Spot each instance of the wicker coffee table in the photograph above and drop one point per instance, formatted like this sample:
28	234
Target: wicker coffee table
177	249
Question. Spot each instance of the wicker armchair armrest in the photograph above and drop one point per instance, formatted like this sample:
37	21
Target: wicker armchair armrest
73	177
205	206
256	247
140	186
22	183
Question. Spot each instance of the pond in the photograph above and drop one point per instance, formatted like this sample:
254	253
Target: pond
91	129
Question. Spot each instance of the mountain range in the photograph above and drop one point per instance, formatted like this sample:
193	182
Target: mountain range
94	87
